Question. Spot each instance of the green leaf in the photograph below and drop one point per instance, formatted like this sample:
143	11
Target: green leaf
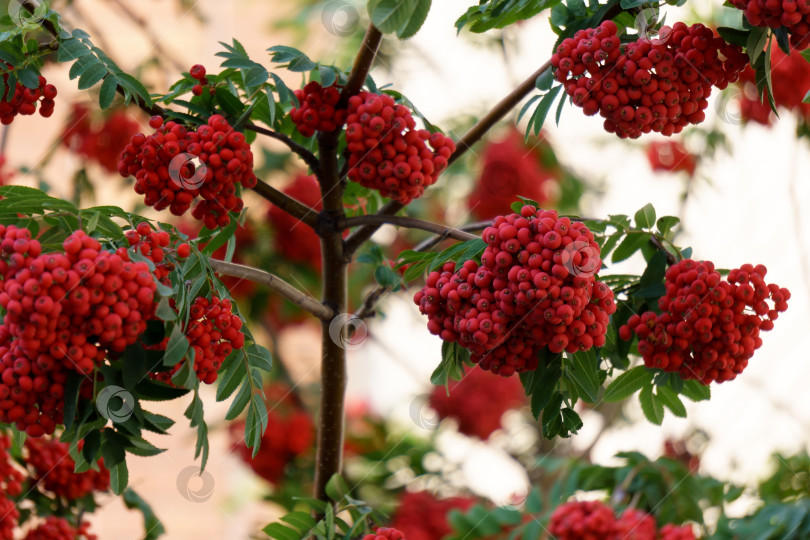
671	401
627	384
645	217
92	75
281	532
733	36
152	526
385	276
544	81
665	224
239	402
696	391
336	488
177	347
294	59
391	15
454	357
119	477
539	117
631	243
417	20
755	44
651	407
584	371
540	383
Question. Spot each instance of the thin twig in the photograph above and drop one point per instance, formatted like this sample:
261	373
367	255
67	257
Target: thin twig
297	209
410	223
308	157
296	296
470	227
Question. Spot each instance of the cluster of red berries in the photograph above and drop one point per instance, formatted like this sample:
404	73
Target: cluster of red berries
658	85
294	240
197	72
101	142
671	156
64	312
676	449
24	100
174	165
388	153
512	168
57	528
385	533
422	516
584	520
52	470
791	80
318	109
213	331
11	479
708	328
478	401
290	433
794	16
535	287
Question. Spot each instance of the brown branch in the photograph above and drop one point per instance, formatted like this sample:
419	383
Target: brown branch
470	227
671	258
328	461
295	208
497	113
296	296
308	157
410	223
361	235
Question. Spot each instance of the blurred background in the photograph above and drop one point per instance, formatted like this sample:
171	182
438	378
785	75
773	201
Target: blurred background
738	182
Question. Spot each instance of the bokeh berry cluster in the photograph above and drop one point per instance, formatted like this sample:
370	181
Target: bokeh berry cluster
790	74
318	109
793	16
385	533
44	472
175	165
535	287
658	85
510	167
708	327
57	528
292	239
290	434
98	141
478	401
388	153
586	520
420	515
52	469
671	156
65	311
24	100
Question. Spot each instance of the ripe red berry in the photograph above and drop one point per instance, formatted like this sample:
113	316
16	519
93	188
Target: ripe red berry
183	250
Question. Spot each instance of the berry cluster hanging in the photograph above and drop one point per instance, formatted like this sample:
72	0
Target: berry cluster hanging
708	327
175	165
535	287
659	84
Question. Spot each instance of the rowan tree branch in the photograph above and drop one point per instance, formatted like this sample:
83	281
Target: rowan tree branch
329	457
294	295
308	157
410	223
297	209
